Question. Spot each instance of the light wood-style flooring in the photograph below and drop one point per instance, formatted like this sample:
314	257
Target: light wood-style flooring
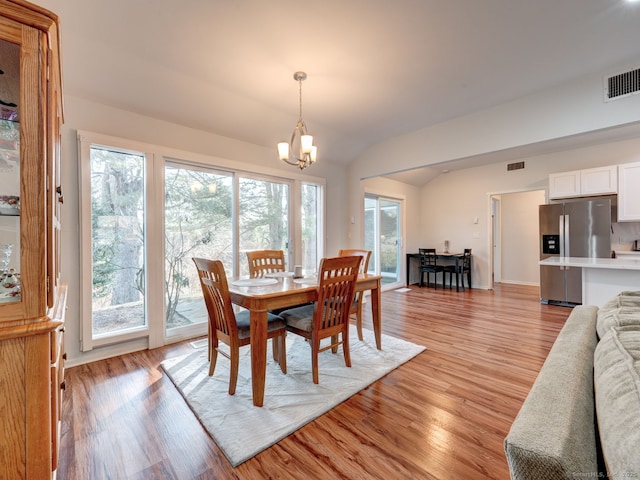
443	415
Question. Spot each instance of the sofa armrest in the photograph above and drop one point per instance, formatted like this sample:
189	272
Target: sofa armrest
554	434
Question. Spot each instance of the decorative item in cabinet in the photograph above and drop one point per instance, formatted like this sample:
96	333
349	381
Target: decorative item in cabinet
9	205
9	278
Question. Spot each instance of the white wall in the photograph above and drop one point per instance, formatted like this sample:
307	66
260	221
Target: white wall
81	114
520	251
571	109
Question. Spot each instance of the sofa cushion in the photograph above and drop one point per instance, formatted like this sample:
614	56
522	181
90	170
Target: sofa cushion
617	317
617	396
554	435
623	299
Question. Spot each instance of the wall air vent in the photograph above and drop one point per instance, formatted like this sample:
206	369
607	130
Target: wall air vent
622	85
515	166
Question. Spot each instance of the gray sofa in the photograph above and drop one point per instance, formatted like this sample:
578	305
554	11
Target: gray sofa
581	418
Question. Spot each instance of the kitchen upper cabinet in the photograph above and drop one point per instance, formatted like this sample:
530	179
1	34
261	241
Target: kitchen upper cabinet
564	185
584	183
599	181
629	192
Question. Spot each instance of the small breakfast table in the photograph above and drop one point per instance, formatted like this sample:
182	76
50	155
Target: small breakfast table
457	257
287	292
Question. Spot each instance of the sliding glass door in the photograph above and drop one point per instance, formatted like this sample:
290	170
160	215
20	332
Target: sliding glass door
263	218
382	235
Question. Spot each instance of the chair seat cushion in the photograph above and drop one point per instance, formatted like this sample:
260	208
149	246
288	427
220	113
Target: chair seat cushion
437	268
300	318
274	322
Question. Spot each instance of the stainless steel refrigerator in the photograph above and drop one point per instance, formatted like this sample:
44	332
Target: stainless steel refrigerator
571	229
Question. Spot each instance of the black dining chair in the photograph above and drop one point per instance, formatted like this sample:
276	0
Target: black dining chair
429	265
463	268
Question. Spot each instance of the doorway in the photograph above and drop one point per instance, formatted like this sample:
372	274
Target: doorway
514	243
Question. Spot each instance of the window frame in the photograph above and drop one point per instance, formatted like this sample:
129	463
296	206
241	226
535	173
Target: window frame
156	158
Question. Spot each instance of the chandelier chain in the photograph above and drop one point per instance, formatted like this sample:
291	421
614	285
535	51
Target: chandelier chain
300	96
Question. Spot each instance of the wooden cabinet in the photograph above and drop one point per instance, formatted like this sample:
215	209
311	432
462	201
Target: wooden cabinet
584	183
629	192
32	302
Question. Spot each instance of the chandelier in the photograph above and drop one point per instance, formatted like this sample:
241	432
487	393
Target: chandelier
301	141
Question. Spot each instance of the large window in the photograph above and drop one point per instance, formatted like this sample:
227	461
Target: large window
263	216
117	241
310	212
198	214
139	206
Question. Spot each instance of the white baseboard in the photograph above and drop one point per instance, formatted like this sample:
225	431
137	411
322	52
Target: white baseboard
518	282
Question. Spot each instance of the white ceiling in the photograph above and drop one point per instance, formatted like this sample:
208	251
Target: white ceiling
376	68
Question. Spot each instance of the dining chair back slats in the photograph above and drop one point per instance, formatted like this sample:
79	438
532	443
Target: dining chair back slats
217	299
429	264
262	262
358	299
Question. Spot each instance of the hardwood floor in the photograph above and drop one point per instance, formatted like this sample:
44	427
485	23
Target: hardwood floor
443	415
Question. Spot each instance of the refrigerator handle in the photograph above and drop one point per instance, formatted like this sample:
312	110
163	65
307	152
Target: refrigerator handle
567	250
561	231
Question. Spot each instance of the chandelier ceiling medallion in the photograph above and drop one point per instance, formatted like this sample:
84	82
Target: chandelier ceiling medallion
301	141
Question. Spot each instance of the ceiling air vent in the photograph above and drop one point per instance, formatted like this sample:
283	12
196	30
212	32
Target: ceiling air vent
515	166
622	85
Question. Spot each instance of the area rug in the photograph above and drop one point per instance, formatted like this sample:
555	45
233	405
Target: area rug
291	401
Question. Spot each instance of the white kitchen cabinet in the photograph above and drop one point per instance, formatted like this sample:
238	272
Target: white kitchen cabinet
564	185
629	192
584	183
599	181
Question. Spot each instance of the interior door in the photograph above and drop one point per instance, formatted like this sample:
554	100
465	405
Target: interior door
382	225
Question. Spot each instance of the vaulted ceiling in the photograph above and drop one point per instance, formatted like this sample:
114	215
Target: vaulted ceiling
376	68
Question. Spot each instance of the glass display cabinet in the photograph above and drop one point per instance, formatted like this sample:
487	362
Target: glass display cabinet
32	301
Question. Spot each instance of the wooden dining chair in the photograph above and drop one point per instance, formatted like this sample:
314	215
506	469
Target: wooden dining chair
463	268
328	317
265	261
429	265
230	328
356	307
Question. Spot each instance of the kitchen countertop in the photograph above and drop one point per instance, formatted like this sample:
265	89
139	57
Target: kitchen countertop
602	263
627	253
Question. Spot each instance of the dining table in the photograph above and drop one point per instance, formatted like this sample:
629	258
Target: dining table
280	291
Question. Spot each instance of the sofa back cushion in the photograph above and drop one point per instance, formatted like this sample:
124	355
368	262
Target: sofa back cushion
617	395
627	298
617	317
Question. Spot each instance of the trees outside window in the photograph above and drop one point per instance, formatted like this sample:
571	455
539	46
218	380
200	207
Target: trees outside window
117	227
